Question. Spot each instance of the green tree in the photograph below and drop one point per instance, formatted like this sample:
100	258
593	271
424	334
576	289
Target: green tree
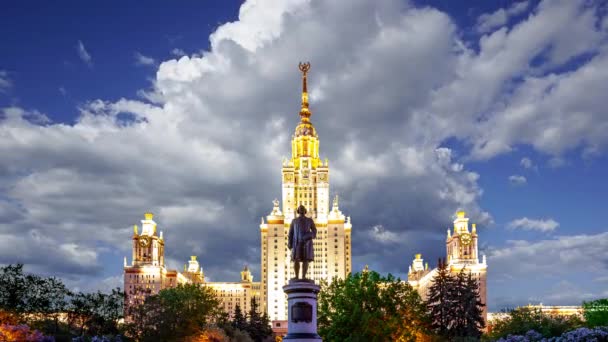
13	288
454	305
239	320
174	314
596	313
440	301
521	320
467	309
368	307
258	325
92	314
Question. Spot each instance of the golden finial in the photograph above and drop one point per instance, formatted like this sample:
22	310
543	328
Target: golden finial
304	112
418	256
148	216
135	229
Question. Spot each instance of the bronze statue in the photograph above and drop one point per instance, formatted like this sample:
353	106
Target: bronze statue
301	232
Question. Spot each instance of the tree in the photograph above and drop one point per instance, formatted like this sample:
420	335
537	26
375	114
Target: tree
239	321
525	319
174	314
454	305
596	313
96	313
440	304
258	325
368	307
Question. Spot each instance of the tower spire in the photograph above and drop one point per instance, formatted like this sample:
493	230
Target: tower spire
304	112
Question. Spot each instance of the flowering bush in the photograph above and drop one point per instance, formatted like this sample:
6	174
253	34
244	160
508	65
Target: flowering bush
116	338
598	334
22	333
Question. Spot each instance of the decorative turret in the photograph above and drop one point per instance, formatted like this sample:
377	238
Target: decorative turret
246	276
305	143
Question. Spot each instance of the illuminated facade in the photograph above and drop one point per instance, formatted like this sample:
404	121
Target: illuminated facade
241	293
305	179
462	252
147	274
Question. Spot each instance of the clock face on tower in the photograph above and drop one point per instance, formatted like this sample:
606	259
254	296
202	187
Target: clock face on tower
143	242
465	239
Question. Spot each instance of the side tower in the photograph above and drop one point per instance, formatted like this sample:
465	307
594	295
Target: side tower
462	252
305	179
147	273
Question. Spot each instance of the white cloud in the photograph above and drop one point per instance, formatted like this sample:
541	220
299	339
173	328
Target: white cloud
557	271
84	54
5	82
143	60
517	180
178	52
382	235
205	154
526	163
542	225
487	22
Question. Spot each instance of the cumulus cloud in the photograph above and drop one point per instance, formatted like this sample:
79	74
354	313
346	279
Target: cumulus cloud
5	82
178	52
84	55
489	21
143	60
517	180
541	225
526	163
390	83
520	267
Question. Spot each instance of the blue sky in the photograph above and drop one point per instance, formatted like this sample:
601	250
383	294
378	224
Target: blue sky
108	110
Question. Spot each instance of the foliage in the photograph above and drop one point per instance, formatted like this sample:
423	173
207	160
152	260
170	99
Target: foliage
596	312
455	309
31	294
522	320
258	325
598	334
368	307
98	313
174	314
239	321
19	333
47	305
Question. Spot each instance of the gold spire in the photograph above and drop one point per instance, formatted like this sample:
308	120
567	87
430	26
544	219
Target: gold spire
304	112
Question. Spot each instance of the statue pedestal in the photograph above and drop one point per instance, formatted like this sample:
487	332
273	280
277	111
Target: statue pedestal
302	310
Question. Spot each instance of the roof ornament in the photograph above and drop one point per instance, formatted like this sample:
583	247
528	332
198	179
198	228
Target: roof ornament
304	112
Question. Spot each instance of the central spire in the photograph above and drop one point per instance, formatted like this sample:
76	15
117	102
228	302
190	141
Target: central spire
304	112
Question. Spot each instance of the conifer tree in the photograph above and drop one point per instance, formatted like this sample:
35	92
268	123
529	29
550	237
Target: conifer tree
258	326
473	308
439	302
239	321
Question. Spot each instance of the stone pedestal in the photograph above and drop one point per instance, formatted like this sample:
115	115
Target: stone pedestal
302	310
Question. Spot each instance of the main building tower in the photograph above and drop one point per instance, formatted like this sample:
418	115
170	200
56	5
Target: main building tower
305	182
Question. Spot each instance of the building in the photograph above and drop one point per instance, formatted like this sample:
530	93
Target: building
240	293
550	310
305	181
148	275
462	253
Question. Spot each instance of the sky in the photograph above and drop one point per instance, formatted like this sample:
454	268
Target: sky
111	109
